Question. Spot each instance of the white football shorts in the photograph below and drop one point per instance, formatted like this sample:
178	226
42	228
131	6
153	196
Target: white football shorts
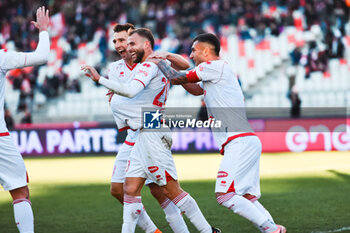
151	158
121	160
239	168
13	173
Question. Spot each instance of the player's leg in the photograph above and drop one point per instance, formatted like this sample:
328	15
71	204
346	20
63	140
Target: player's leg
239	176
117	184
160	167
133	206
13	177
253	199
119	171
117	191
187	205
172	212
22	208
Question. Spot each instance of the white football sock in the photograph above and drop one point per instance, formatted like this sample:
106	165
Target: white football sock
190	208
145	222
132	210
246	209
268	227
174	217
262	209
23	215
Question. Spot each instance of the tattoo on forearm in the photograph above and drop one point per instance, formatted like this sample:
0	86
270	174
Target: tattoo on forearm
172	75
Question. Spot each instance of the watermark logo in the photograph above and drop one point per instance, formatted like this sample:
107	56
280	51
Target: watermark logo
157	120
151	119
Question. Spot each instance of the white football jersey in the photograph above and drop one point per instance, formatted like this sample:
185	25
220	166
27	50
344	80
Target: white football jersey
224	99
127	112
120	71
8	60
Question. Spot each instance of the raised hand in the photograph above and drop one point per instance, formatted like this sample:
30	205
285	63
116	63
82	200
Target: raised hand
90	72
42	19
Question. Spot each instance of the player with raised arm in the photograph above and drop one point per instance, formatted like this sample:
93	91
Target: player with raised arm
151	156
238	182
13	174
123	71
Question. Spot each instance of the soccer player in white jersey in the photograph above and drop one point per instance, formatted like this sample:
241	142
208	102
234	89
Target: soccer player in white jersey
151	156
123	71
238	182
13	174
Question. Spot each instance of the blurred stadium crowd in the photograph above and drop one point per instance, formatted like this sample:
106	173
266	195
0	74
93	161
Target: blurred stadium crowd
290	33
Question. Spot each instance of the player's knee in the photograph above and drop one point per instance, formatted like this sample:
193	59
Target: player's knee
20	193
130	189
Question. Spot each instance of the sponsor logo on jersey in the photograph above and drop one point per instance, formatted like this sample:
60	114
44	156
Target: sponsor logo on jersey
200	68
145	73
222	174
151	119
153	169
223	183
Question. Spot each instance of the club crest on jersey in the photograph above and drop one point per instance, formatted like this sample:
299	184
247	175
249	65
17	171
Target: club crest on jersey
121	74
151	119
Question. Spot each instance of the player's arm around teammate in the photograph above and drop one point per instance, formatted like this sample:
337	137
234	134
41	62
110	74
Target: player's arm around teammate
240	165
13	175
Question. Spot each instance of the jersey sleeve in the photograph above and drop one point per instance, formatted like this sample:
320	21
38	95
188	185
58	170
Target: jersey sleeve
206	71
11	60
145	72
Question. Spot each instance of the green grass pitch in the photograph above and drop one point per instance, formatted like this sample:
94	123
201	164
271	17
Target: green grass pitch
72	194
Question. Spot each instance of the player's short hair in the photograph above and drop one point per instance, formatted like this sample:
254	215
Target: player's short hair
123	27
145	33
210	39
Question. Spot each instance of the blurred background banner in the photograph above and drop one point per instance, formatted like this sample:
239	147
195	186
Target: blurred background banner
95	138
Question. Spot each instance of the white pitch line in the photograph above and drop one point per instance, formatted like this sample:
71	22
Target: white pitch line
331	231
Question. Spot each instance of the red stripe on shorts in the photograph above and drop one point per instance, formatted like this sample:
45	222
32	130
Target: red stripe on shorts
232	138
4	134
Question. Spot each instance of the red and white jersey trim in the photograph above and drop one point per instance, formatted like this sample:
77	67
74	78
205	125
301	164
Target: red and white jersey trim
129	143
4	134
192	76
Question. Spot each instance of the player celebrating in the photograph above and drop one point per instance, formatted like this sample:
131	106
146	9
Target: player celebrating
13	175
238	182
151	156
123	71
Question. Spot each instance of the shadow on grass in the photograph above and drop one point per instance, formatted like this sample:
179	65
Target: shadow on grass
301	204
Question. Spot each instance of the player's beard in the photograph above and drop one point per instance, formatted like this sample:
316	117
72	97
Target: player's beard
139	55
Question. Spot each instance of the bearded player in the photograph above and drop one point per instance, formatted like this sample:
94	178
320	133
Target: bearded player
123	71
151	156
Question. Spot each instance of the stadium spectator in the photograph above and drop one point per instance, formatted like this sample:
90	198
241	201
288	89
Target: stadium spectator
27	118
